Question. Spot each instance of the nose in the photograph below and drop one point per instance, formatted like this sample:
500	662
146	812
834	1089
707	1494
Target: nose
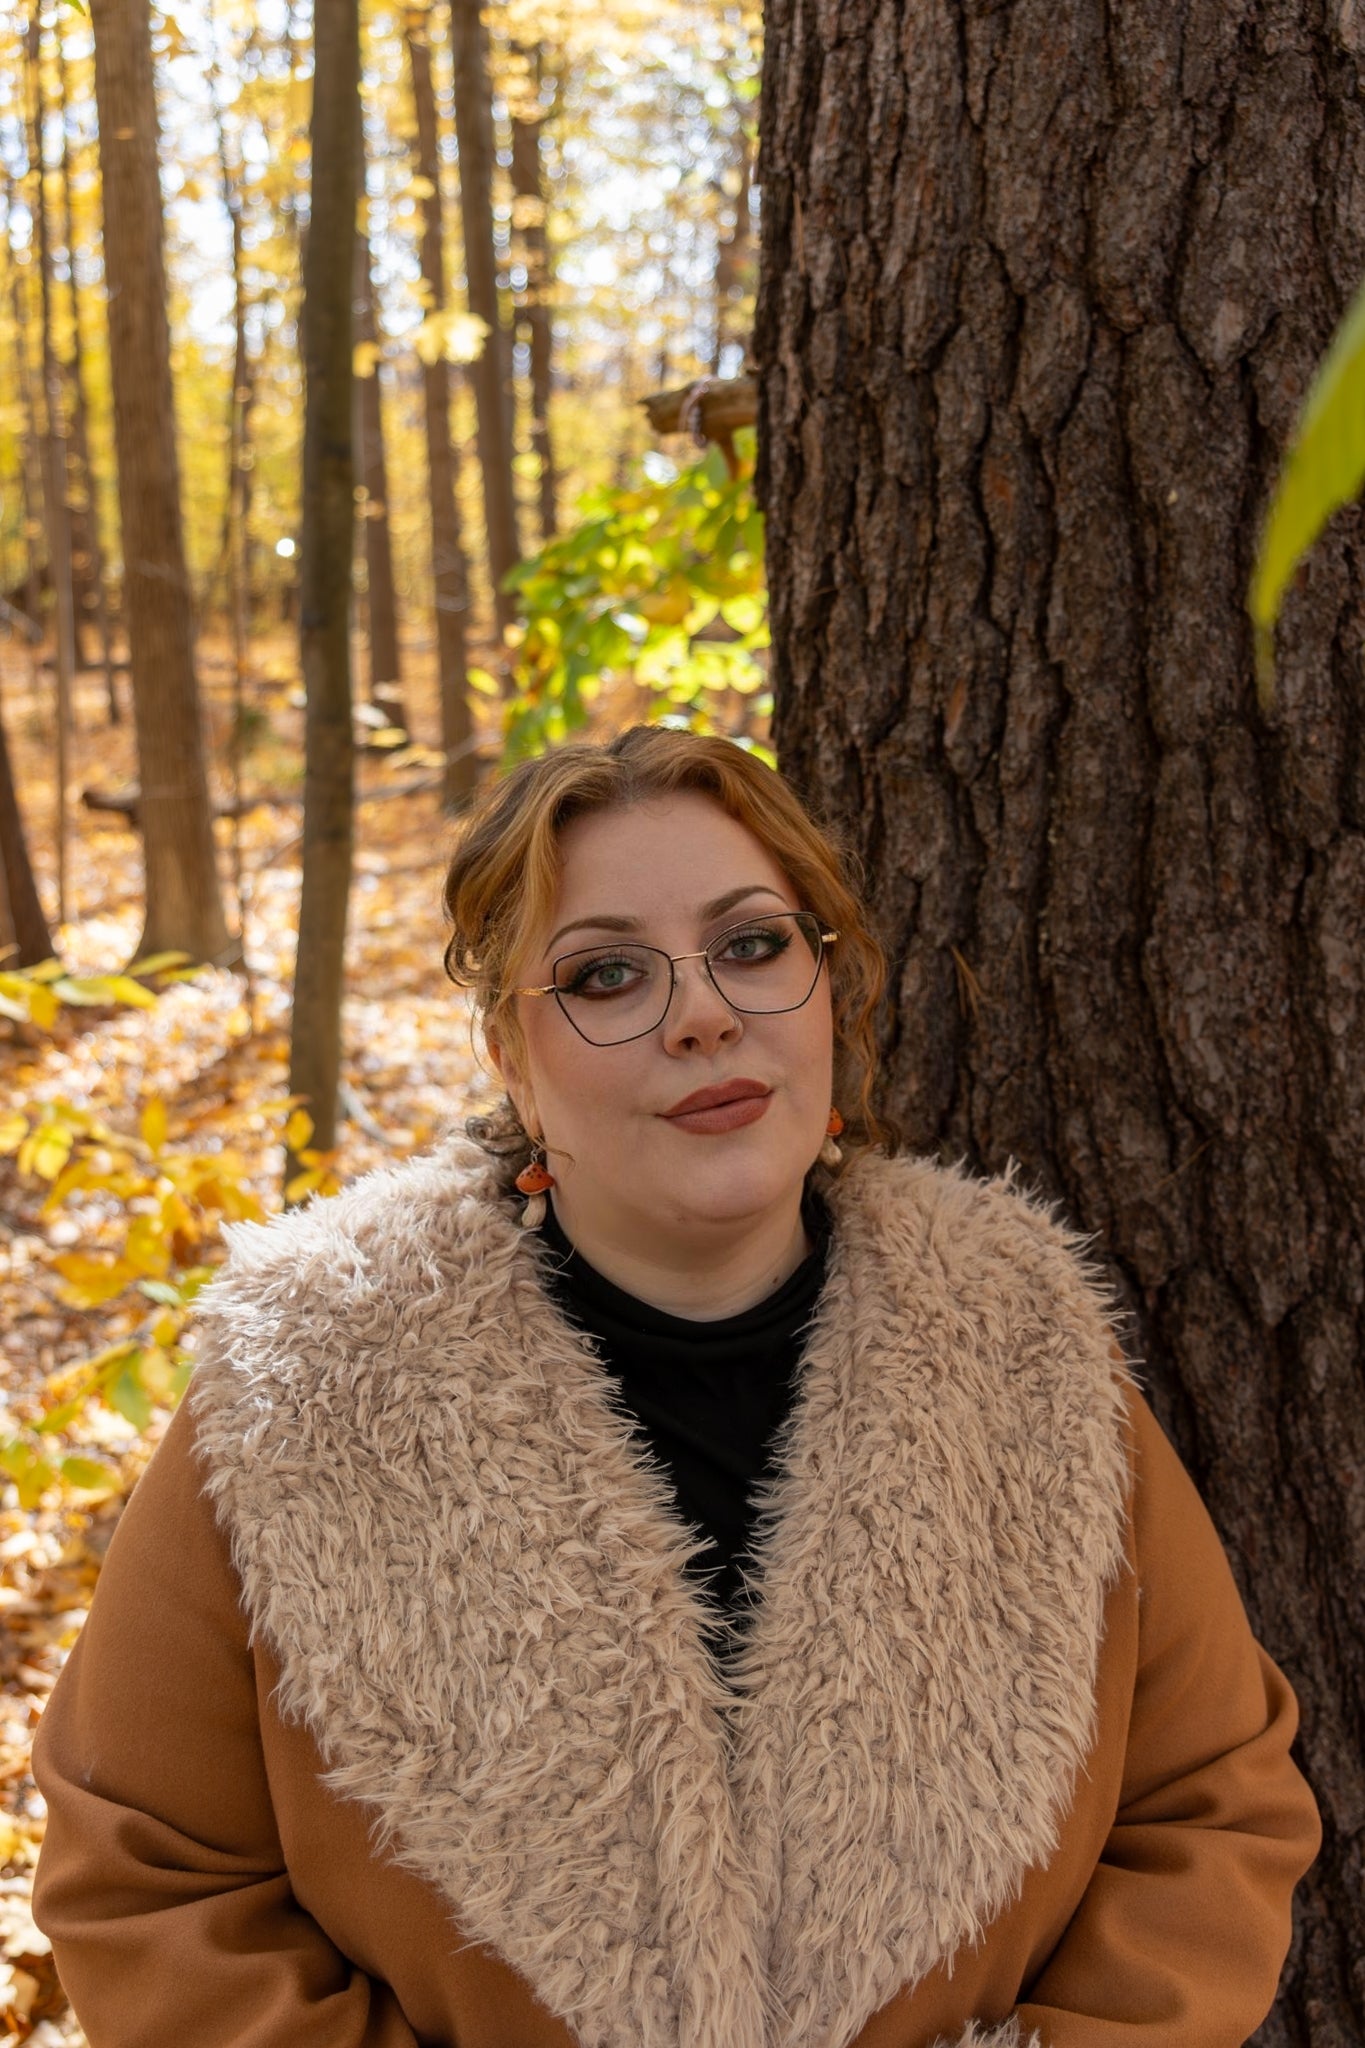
698	1017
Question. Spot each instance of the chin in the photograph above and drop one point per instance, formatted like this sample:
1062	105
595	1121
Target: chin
731	1191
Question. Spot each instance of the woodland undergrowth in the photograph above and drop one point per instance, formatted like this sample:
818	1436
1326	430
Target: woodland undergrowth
131	1128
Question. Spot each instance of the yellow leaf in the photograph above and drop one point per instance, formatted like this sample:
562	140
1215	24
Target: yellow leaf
153	1125
13	1131
46	1151
364	358
298	1130
480	680
123	989
165	1329
421	188
452	333
91	1281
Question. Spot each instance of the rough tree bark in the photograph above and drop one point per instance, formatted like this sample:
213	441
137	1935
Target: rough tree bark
386	676
184	907
449	569
535	314
489	371
327	544
1041	288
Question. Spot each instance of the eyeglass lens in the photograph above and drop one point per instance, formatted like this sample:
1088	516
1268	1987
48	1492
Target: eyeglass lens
618	991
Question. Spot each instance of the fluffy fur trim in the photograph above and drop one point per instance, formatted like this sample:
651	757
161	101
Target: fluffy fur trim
473	1582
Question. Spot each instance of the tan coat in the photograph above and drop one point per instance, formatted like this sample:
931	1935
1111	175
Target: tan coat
394	1723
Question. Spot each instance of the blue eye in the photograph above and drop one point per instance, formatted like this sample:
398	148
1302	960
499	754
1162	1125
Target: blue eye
603	975
755	944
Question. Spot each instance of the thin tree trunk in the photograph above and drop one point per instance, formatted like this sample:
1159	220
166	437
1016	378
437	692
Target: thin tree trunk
1041	290
22	923
734	252
386	678
528	187
56	506
30	468
232	559
474	137
448	567
327	548
184	907
88	566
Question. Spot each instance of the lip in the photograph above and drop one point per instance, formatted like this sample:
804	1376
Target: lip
717	1097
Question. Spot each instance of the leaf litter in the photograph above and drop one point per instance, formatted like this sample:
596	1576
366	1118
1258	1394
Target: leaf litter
200	1067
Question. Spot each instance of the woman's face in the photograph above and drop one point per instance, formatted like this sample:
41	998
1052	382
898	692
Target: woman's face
630	1167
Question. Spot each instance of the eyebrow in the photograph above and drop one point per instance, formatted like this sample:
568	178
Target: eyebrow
716	908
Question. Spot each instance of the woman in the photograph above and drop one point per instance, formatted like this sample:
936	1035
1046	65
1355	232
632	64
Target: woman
442	1687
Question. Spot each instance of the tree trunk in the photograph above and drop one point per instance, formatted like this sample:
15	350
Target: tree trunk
474	137
22	923
87	552
1041	291
184	907
734	251
528	190
327	545
56	486
386	676
449	571
233	551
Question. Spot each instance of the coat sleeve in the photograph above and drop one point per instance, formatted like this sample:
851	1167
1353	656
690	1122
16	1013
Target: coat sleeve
162	1884
1180	1937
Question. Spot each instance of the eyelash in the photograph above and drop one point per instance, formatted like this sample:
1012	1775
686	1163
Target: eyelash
779	939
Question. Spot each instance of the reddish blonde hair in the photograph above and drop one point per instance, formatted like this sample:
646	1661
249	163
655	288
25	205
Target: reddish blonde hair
502	880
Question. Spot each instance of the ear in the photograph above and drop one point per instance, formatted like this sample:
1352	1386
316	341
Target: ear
517	1086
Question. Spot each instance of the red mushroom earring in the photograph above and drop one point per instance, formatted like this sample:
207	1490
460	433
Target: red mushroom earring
830	1155
532	1181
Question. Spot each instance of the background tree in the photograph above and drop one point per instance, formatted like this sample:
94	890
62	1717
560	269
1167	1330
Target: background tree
535	310
449	570
24	937
327	546
490	371
55	478
87	549
1041	289
381	601
184	908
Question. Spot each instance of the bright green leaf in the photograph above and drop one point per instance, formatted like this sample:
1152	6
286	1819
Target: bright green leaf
1324	469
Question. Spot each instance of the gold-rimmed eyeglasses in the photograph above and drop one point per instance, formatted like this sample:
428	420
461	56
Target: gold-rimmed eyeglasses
618	991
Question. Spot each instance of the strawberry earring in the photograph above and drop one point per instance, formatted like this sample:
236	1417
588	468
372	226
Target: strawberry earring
830	1155
532	1181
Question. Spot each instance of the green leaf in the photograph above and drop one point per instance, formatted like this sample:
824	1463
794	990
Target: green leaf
31	1472
163	1292
1324	470
130	1397
87	1475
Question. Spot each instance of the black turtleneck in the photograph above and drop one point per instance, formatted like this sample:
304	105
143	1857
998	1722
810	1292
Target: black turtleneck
709	1397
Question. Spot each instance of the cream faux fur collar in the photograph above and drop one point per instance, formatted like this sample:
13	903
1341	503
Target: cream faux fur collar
472	1580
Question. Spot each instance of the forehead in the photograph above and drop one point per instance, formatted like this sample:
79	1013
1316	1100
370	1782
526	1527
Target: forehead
660	857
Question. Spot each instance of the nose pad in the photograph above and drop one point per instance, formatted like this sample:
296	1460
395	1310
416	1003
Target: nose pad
697	1009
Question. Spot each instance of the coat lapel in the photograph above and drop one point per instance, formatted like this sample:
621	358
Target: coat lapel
474	1585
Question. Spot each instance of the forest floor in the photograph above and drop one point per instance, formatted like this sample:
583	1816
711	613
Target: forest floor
217	1061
